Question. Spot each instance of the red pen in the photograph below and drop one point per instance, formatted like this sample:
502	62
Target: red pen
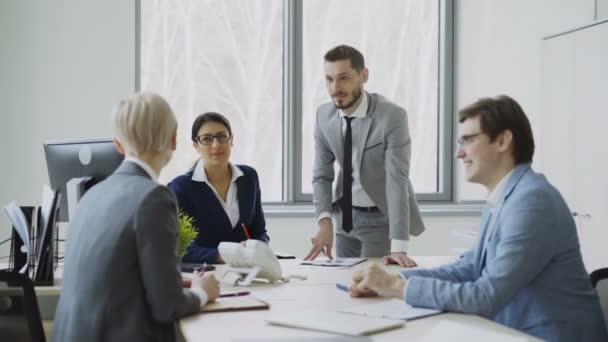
246	232
235	294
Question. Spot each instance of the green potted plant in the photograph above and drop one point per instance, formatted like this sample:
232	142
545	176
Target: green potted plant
186	233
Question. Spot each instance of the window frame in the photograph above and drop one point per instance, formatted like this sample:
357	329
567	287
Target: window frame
292	104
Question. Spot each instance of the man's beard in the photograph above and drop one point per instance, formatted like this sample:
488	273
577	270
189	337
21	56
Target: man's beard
356	95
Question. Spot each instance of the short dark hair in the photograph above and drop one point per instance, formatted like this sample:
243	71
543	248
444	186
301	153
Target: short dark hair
499	114
209	117
342	52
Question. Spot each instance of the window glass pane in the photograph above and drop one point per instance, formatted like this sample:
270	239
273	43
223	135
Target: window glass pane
223	56
400	42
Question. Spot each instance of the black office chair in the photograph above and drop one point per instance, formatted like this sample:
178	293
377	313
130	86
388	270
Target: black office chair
599	280
30	302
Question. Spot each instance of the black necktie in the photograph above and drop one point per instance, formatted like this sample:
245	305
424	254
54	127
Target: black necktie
347	181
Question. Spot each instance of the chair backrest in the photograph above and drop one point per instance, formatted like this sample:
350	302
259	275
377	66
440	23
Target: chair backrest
599	280
30	302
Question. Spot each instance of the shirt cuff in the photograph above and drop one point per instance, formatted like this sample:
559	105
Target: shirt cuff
201	294
399	246
324	215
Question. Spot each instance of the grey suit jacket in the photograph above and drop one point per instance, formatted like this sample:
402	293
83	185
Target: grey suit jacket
120	278
525	271
384	154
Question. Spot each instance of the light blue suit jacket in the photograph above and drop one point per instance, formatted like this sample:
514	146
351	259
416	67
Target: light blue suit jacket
525	271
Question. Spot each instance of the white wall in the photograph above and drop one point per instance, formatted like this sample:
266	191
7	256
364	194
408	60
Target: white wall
602	9
498	51
64	65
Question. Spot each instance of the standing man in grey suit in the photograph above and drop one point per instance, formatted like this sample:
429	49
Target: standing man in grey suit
121	280
372	202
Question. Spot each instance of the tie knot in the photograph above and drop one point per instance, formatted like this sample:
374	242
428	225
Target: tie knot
348	119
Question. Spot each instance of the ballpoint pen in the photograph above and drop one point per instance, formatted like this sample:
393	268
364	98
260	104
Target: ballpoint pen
246	232
343	287
235	294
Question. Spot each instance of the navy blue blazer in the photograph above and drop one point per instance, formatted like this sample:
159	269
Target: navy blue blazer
198	200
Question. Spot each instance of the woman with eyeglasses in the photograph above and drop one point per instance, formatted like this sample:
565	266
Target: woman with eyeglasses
223	198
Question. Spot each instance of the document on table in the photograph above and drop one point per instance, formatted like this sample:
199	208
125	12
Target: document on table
393	309
236	303
335	322
337	262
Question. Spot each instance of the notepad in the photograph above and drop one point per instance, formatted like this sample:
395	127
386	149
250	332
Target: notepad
235	304
337	262
335	322
393	308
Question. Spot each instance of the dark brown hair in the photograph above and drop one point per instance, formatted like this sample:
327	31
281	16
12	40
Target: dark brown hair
342	52
209	117
499	114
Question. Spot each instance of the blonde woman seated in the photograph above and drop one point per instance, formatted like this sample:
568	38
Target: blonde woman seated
120	278
223	198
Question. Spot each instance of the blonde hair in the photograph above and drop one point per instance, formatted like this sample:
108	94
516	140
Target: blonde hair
144	122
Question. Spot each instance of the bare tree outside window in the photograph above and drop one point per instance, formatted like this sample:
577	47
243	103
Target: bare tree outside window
228	56
223	56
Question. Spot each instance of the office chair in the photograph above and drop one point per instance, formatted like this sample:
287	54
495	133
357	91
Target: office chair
599	280
30	302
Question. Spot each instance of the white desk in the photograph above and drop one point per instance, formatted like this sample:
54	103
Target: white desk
317	293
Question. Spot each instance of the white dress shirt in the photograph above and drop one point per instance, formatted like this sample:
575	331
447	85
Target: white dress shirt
231	204
494	196
360	197
200	293
144	166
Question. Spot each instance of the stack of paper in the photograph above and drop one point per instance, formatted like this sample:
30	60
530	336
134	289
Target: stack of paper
393	308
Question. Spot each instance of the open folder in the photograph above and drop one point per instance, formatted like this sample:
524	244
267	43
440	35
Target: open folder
393	309
235	304
335	322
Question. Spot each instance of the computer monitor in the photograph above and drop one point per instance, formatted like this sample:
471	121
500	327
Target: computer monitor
68	159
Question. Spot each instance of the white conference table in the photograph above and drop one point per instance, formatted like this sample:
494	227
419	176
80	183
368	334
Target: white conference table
319	292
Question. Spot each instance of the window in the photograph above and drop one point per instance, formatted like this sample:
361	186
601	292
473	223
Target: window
260	63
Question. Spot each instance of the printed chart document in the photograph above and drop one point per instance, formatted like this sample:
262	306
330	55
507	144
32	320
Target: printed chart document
15	214
393	309
336	262
235	304
335	322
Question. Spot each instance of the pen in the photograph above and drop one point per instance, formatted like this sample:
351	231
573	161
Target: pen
343	287
235	294
246	232
205	268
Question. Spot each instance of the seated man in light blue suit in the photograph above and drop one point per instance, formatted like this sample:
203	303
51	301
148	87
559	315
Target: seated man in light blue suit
526	269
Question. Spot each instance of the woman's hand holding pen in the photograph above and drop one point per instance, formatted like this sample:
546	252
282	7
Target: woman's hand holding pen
207	283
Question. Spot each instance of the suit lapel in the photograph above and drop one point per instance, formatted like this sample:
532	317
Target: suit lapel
481	257
243	197
334	125
492	215
364	128
366	123
204	187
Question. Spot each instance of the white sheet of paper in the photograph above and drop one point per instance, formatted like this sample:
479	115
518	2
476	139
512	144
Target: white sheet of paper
15	214
336	262
334	322
393	308
46	207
